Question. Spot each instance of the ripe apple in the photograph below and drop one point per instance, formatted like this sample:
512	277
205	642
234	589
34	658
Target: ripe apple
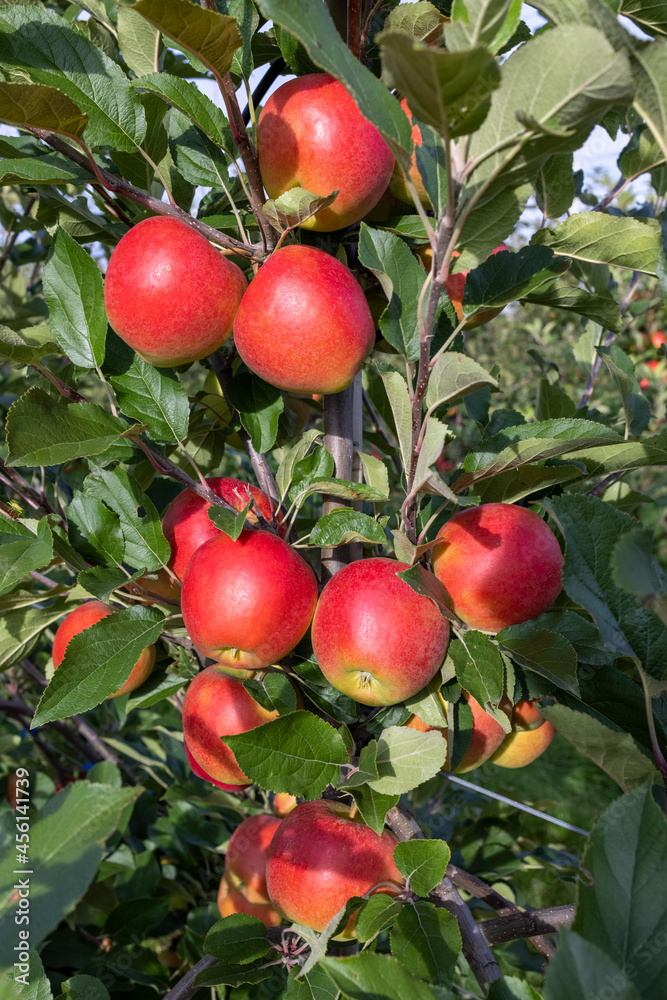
283	803
186	524
312	135
230	901
169	294
216	706
397	185
82	618
201	773
658	339
455	288
319	858
245	862
530	737
487	736
374	638
247	603
500	564
304	324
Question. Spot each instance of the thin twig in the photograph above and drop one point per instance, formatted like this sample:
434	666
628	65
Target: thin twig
185	989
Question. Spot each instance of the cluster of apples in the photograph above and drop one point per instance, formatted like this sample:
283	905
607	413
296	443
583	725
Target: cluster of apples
247	603
304	868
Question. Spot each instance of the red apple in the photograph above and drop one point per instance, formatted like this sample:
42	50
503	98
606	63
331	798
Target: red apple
245	863
530	737
658	339
312	135
186	523
304	324
169	294
398	185
247	603
283	803
230	901
500	564
487	736
201	773
319	858
455	288
82	618
374	638
216	706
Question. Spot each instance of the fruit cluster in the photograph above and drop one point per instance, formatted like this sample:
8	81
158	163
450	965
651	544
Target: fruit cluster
303	324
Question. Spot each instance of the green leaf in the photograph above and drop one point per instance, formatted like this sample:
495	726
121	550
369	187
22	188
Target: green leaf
489	22
406	759
344	525
627	857
237	939
380	911
401	408
145	544
84	988
423	863
581	633
274	692
97	662
153	396
491	220
234	975
507	276
616	753
592	529
561	294
54	53
138	41
608	239
544	652
50	169
635	405
66	846
509	988
634	567
480	671
367	767
539	111
101	581
419	19
554	186
26	346
74	293
198	159
38	986
453	377
95	531
228	520
35	105
580	970
376	473
312	985
297	753
649	66
370	976
650	15
402	279
295	206
21	628
259	406
431	164
291	456
211	37
32	551
188	99
41	431
426	939
508	487
343	488
311	23
451	91
373	806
